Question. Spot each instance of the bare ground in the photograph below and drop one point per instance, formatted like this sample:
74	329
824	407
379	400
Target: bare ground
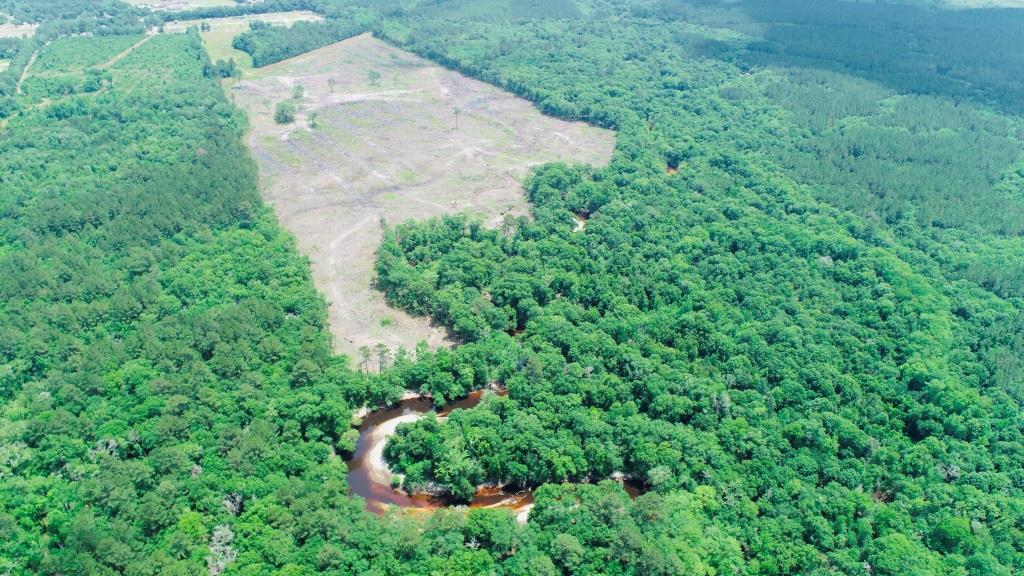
12	30
385	146
177	5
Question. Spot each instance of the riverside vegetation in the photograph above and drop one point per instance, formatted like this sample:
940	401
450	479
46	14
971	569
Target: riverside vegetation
793	313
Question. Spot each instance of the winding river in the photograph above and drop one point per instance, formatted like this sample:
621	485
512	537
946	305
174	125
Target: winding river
370	477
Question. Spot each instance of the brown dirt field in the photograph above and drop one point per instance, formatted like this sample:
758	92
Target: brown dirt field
178	5
389	148
12	30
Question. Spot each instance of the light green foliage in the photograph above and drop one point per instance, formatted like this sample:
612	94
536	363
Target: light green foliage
284	113
75	54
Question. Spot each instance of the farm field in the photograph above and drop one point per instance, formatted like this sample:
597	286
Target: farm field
223	30
377	138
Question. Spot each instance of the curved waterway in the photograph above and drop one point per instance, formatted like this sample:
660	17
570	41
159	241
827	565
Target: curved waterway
370	477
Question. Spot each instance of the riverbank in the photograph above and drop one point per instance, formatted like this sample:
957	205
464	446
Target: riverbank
370	475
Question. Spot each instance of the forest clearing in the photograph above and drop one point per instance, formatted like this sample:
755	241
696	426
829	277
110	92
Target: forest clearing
381	134
11	30
217	38
180	5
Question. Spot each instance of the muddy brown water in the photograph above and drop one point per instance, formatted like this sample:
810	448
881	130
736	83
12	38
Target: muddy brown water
380	495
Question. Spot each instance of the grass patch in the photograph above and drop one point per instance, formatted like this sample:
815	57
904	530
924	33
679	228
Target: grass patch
222	31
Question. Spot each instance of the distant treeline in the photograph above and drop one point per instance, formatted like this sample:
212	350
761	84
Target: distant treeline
904	47
325	8
51	10
268	44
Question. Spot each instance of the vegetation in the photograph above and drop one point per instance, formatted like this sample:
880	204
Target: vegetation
121	310
793	314
268	44
284	113
722	327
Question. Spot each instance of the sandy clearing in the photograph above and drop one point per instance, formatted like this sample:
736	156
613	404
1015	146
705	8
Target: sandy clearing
377	465
240	24
12	30
179	5
523	513
377	138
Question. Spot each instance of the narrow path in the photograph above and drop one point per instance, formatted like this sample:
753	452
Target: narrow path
24	71
120	56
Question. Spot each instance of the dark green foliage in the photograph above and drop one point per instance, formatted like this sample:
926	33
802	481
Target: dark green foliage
50	10
872	39
804	342
9	47
222	69
721	327
269	44
163	347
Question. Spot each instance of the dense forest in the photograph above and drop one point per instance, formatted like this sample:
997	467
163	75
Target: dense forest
716	325
268	44
792	311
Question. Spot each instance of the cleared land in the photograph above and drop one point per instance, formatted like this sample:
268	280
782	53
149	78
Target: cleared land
223	30
12	30
385	146
178	5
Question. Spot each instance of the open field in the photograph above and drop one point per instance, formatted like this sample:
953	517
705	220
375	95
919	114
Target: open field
11	30
223	30
385	146
178	5
4	64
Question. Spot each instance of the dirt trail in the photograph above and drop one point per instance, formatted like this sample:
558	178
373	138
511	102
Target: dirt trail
120	56
24	71
396	138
